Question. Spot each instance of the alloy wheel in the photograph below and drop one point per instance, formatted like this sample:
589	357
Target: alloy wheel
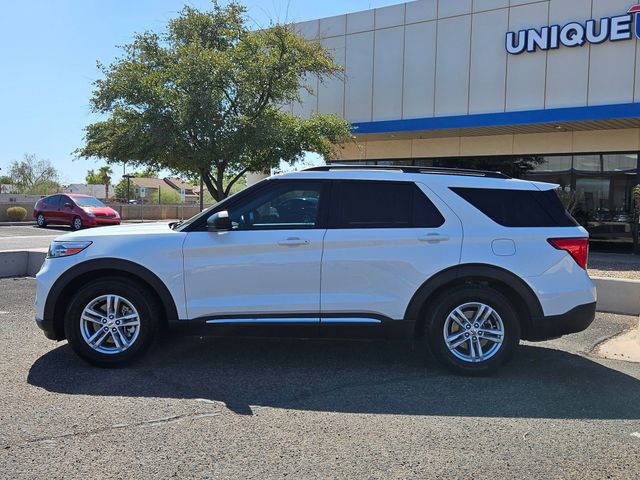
110	324
473	332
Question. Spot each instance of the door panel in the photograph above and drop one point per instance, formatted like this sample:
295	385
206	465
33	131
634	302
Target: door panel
65	214
252	272
378	270
51	212
268	263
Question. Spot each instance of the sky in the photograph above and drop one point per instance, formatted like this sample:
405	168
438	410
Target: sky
48	55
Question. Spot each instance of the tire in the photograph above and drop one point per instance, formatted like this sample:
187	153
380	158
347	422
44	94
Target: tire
499	316
123	342
41	220
76	224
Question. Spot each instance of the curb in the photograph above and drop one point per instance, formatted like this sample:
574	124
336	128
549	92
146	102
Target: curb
18	263
17	224
614	295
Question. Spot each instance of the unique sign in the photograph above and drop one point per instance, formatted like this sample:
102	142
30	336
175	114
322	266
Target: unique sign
575	34
142	192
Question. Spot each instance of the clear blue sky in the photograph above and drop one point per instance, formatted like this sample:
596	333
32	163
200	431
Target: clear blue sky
48	54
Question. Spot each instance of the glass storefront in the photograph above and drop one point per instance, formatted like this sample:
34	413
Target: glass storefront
596	188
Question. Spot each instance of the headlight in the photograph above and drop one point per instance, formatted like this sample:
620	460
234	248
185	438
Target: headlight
90	213
66	249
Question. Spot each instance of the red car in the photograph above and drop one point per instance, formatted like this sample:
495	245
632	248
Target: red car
76	210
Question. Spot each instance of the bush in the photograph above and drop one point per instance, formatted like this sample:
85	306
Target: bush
16	214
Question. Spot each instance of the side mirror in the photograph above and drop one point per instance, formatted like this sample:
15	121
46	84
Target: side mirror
219	221
68	205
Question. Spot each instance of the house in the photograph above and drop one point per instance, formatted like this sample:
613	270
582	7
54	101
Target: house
154	185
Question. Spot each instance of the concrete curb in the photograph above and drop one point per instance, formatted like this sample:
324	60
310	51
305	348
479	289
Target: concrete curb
18	263
18	224
614	295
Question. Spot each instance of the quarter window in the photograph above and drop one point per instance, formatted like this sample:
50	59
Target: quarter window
519	208
367	204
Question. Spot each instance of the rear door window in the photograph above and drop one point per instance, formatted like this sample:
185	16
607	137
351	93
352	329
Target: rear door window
519	208
371	204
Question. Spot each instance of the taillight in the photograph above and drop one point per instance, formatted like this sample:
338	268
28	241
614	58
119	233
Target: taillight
578	248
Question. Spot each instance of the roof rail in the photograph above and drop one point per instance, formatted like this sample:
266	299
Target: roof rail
408	169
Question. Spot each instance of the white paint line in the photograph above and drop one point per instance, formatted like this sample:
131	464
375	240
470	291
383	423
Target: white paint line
636	434
22	237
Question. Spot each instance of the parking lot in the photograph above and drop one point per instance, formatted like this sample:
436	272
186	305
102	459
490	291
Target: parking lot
241	408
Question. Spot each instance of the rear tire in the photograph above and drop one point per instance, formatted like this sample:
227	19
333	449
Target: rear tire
112	321
41	220
472	330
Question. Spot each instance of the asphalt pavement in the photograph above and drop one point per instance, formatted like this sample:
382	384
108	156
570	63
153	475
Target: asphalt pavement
248	408
28	237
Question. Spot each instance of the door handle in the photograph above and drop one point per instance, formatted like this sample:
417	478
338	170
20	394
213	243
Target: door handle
433	238
293	241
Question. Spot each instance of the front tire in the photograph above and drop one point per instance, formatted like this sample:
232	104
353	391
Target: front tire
111	321
473	330
76	224
41	220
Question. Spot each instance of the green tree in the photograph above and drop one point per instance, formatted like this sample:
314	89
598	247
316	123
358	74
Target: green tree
33	176
204	98
120	191
93	178
104	173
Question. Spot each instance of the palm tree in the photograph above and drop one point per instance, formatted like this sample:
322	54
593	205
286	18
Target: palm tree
105	176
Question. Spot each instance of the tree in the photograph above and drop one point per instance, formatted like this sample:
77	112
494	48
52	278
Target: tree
204	99
93	178
33	176
104	173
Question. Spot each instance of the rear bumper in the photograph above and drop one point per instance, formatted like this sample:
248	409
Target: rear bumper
575	320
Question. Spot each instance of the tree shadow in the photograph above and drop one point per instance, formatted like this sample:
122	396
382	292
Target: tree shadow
350	376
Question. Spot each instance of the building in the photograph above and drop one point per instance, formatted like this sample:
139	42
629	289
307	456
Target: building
548	90
98	191
154	186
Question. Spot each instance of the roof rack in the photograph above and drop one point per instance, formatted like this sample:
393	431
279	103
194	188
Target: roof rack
407	169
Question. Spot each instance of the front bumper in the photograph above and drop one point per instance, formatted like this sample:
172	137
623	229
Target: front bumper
101	221
554	326
47	327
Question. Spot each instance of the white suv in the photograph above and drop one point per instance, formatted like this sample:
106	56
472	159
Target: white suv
469	261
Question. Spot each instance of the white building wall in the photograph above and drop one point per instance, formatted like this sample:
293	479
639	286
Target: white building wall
447	57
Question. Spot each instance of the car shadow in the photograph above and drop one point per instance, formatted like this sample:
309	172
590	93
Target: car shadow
350	376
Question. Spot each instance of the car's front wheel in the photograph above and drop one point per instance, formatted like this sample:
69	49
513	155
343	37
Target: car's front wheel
110	322
77	223
473	329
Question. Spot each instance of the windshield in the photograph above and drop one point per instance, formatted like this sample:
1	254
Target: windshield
88	202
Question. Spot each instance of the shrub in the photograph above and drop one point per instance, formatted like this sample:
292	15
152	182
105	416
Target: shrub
16	214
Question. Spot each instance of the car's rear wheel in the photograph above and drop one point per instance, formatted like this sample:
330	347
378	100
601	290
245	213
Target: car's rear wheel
77	223
41	221
473	329
112	321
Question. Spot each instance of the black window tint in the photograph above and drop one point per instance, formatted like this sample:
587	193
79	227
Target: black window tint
289	205
425	213
53	201
385	205
519	208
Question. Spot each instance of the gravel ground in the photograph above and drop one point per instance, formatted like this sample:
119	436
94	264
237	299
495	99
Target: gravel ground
242	408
